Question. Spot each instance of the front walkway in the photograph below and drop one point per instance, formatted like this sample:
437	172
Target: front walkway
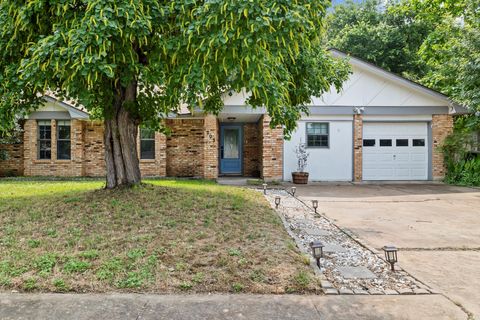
251	307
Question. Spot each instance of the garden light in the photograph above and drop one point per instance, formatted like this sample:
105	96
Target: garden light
390	255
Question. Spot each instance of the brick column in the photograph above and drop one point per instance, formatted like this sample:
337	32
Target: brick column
442	126
29	146
271	160
77	148
357	146
210	147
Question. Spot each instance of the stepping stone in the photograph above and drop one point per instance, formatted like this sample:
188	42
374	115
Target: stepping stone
333	247
356	272
316	232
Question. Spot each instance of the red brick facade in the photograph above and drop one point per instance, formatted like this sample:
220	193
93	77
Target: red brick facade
251	150
271	164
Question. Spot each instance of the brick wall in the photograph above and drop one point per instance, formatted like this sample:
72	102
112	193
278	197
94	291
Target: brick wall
357	146
442	126
155	167
272	150
53	167
185	148
251	150
94	153
210	147
13	165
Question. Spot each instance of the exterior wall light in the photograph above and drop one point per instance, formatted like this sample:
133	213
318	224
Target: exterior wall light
294	189
315	205
391	255
264	188
317	250
277	201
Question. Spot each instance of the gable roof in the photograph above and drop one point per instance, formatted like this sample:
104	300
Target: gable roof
363	64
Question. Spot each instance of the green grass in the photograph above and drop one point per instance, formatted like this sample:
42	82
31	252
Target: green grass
164	236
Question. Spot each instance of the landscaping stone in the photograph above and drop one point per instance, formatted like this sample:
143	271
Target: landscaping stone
326	284
405	291
361	292
421	291
346	263
330	291
345	291
333	247
356	272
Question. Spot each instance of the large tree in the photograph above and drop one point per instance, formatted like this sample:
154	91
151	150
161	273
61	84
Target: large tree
132	62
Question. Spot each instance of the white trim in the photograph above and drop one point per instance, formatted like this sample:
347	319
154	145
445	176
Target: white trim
392	118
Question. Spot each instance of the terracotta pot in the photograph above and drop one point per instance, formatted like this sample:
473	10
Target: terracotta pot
300	177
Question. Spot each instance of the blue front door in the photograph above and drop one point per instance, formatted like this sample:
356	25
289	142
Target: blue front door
230	149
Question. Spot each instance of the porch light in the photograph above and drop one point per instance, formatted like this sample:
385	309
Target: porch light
277	201
231	118
315	205
391	255
264	188
317	250
294	189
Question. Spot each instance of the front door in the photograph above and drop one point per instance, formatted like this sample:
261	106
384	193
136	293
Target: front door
231	149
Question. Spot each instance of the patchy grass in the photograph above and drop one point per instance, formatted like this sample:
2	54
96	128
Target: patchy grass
165	236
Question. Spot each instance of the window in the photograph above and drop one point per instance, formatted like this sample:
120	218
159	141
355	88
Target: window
317	134
385	142
418	142
369	142
147	143
44	139
63	140
402	143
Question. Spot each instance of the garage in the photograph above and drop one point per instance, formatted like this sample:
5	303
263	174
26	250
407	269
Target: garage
395	151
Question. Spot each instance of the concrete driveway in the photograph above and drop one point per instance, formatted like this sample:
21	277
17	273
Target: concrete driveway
436	227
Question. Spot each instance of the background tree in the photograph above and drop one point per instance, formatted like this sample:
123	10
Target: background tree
133	62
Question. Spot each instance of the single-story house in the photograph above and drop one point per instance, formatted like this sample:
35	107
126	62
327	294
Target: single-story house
379	127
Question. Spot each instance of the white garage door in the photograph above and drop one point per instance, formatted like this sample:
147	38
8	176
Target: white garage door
395	151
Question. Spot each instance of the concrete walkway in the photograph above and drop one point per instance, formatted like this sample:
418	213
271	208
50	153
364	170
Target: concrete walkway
252	307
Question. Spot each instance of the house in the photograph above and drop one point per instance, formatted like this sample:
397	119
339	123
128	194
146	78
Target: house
379	127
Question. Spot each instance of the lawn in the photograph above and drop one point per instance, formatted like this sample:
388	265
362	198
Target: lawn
166	236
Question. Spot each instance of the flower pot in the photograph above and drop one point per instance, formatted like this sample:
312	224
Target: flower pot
300	177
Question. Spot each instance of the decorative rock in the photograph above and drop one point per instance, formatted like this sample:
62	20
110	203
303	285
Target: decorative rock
356	272
360	292
390	291
420	291
330	291
405	291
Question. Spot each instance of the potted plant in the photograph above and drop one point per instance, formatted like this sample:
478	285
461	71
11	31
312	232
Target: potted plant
300	176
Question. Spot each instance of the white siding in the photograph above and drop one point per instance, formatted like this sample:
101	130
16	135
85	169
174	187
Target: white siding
324	164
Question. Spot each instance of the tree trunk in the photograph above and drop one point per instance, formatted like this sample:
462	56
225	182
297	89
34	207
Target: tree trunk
120	139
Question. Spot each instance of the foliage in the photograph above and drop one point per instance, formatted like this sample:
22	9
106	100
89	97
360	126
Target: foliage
302	156
463	166
379	34
178	51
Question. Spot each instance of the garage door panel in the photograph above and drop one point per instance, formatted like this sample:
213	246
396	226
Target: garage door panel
405	159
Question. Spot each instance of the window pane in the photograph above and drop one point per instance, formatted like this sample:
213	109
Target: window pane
147	149
44	149
45	132
385	142
64	132
63	150
230	144
317	134
317	128
369	142
402	143
147	134
418	142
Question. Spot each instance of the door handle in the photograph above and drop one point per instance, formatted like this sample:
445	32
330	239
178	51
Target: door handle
394	157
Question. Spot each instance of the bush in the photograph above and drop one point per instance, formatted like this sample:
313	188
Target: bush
463	166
